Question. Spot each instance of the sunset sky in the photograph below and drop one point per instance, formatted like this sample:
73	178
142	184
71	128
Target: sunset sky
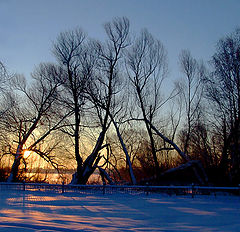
29	27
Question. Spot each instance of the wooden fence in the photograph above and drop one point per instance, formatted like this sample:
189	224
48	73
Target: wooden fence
122	189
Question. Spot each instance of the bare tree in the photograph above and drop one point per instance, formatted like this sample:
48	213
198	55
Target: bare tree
146	63
91	81
146	68
70	52
105	85
7	100
35	116
3	76
224	93
191	91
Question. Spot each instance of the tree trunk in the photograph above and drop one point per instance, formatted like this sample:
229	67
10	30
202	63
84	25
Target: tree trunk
90	164
13	177
150	134
133	179
183	155
104	176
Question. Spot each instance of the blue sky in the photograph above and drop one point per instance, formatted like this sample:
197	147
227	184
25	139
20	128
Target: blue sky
29	27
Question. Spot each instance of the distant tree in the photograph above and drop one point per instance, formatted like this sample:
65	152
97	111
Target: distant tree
7	100
4	76
191	92
224	93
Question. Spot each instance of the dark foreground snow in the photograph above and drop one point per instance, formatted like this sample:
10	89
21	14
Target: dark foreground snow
39	211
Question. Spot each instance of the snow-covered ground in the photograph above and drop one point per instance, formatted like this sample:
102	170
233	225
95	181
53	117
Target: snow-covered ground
41	211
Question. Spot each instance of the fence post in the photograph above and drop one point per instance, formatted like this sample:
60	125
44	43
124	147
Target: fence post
193	190
63	187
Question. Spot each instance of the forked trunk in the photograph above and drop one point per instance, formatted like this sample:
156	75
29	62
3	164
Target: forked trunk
90	164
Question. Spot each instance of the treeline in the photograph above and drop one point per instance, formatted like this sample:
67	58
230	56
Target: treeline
106	107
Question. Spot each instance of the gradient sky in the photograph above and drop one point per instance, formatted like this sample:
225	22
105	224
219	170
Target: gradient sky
29	27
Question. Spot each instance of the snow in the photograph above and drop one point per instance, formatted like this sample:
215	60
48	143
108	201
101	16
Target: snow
47	211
